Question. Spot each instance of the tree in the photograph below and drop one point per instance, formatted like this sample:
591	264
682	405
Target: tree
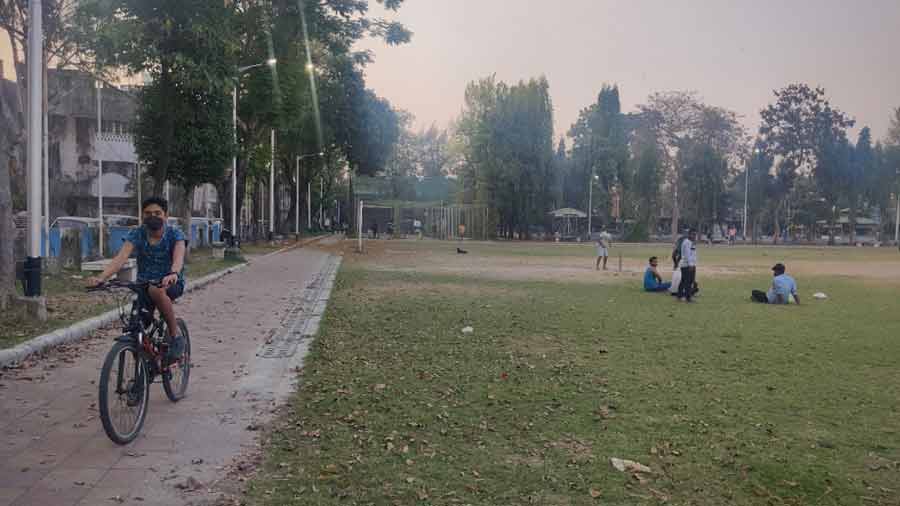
187	47
832	173
893	135
761	186
861	167
433	151
507	137
7	225
681	122
647	177
599	148
796	128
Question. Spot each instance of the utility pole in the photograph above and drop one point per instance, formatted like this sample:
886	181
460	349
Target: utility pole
140	212
35	78
100	161
234	225
746	195
272	189
297	199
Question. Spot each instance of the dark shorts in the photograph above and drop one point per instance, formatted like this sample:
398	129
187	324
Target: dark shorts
175	291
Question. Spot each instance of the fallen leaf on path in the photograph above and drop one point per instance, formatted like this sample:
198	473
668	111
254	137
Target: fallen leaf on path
595	493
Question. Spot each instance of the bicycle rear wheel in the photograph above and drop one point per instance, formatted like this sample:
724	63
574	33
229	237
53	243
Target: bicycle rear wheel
175	381
124	392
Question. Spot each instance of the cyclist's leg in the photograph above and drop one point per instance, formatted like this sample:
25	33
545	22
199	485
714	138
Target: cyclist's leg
163	299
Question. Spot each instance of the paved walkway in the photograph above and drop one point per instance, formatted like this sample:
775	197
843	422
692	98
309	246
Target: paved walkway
53	450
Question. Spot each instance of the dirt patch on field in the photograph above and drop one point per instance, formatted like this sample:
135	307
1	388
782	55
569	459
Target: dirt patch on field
506	262
404	288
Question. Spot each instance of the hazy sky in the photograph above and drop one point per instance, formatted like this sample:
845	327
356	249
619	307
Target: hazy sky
733	53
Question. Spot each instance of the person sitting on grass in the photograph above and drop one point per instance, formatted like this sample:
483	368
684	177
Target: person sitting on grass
783	290
652	280
159	249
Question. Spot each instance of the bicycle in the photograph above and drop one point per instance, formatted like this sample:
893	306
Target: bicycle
137	358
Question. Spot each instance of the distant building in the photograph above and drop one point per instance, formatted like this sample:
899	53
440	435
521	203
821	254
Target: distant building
74	148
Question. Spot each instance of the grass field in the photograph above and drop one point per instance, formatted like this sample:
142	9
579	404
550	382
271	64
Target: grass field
727	402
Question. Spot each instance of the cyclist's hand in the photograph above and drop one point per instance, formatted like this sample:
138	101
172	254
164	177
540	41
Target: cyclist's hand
93	282
169	280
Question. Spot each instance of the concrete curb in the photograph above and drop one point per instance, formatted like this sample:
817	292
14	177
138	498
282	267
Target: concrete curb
85	327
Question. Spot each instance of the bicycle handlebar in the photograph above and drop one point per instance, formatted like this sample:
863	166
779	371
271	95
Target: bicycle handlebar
115	283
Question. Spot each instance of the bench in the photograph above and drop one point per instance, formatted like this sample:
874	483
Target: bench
128	272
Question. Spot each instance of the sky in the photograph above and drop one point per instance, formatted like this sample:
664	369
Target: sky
733	53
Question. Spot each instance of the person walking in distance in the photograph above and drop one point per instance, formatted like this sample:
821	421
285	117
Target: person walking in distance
688	266
602	249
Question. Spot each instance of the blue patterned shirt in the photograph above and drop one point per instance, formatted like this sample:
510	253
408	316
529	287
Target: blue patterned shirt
154	261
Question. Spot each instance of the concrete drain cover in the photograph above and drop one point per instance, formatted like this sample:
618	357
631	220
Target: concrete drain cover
303	317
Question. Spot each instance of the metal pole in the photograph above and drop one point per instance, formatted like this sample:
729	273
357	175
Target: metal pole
272	189
297	198
746	194
100	161
140	212
359	227
234	224
45	238
309	205
35	78
321	201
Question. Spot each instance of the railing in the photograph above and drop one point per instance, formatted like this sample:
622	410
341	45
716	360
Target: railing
114	137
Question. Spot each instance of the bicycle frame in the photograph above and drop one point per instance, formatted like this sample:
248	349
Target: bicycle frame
145	330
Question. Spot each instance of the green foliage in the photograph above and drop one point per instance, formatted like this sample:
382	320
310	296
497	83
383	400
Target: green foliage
507	132
187	47
599	148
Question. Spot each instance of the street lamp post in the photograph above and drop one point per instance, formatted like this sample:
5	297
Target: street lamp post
272	189
99	161
297	206
234	103
35	79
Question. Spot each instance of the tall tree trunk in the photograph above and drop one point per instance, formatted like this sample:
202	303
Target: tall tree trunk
7	225
777	232
831	221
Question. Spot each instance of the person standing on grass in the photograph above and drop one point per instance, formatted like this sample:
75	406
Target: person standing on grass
688	265
602	249
652	280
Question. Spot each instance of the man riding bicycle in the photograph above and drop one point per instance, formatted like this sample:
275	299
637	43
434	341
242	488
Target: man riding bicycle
159	250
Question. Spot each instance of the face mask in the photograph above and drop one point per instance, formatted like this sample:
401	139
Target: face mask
154	223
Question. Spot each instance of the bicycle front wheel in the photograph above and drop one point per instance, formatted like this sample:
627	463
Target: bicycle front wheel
175	379
124	392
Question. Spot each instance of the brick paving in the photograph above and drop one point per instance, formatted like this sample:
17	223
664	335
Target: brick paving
53	450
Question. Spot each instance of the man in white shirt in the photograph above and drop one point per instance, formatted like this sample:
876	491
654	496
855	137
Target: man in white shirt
603	241
688	267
